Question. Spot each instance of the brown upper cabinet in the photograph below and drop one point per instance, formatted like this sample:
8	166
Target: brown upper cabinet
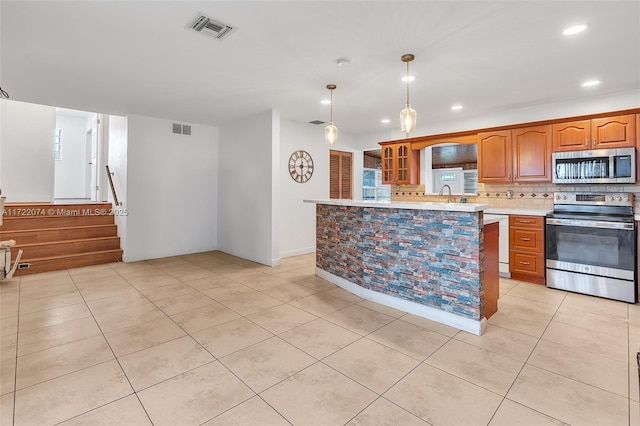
400	164
637	148
598	133
494	156
516	155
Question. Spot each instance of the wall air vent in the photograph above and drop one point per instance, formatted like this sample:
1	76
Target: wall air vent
181	129
212	27
316	122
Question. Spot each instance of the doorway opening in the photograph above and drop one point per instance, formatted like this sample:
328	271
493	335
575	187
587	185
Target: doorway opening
77	156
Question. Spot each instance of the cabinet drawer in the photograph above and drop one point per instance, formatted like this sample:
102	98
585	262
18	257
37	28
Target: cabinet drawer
527	263
534	222
526	239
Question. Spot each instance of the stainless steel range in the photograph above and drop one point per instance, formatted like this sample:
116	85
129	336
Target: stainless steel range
591	245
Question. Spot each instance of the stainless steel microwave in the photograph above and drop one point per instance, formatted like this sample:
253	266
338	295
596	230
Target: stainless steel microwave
595	166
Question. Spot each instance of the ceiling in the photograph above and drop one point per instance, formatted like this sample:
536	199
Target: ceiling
138	57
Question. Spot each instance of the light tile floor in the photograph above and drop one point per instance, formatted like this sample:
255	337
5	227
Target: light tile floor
214	339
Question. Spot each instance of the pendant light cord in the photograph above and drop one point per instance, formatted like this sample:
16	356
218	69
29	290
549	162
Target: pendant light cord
407	83
331	108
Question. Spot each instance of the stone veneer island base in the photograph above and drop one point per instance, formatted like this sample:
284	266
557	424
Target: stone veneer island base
423	258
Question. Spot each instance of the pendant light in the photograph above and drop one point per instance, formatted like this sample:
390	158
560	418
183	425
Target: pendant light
331	131
408	115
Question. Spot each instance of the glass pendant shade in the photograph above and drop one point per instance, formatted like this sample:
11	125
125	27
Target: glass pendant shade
408	118
408	115
331	133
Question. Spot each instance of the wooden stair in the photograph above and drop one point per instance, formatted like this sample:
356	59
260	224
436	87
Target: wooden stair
61	236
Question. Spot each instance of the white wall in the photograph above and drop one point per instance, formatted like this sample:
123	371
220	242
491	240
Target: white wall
71	169
460	122
298	219
248	188
103	157
171	195
27	164
117	162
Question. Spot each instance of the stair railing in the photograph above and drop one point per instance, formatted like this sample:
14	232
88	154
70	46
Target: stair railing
113	188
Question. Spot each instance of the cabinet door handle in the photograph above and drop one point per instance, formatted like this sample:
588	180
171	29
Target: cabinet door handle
586	143
525	263
595	142
525	239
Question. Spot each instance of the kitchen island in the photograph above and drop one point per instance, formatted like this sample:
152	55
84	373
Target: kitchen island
422	258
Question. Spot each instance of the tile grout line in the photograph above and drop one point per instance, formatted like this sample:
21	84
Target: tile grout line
15	367
524	364
320	360
274	335
280	338
629	368
566	377
219	360
96	408
381	395
103	335
114	357
395	319
15	378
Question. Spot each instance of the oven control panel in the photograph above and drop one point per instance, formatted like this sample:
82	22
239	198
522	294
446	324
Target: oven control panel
591	198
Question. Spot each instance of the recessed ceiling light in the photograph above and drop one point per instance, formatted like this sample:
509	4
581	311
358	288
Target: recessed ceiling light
325	102
410	78
343	61
590	83
575	29
456	107
385	121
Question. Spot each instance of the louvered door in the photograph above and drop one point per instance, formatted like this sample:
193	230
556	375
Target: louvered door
340	175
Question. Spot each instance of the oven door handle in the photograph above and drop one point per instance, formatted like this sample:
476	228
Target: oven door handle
590	223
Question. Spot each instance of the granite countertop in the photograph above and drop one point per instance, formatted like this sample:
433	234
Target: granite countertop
525	212
454	207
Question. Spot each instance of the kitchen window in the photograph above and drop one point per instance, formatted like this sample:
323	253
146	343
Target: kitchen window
372	188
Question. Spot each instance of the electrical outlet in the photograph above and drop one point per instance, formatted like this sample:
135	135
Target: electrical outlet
24	265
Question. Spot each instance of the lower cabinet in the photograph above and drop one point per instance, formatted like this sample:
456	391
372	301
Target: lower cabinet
491	272
526	248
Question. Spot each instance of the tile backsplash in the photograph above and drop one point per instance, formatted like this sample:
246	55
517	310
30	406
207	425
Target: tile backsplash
536	196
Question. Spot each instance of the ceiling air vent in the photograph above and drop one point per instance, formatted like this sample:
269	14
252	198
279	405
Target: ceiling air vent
212	27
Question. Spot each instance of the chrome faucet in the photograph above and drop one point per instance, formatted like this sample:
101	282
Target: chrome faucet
442	192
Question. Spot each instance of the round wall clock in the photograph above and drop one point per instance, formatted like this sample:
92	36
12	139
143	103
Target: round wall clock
300	166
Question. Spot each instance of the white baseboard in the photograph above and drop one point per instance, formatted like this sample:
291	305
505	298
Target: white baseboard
297	252
446	318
